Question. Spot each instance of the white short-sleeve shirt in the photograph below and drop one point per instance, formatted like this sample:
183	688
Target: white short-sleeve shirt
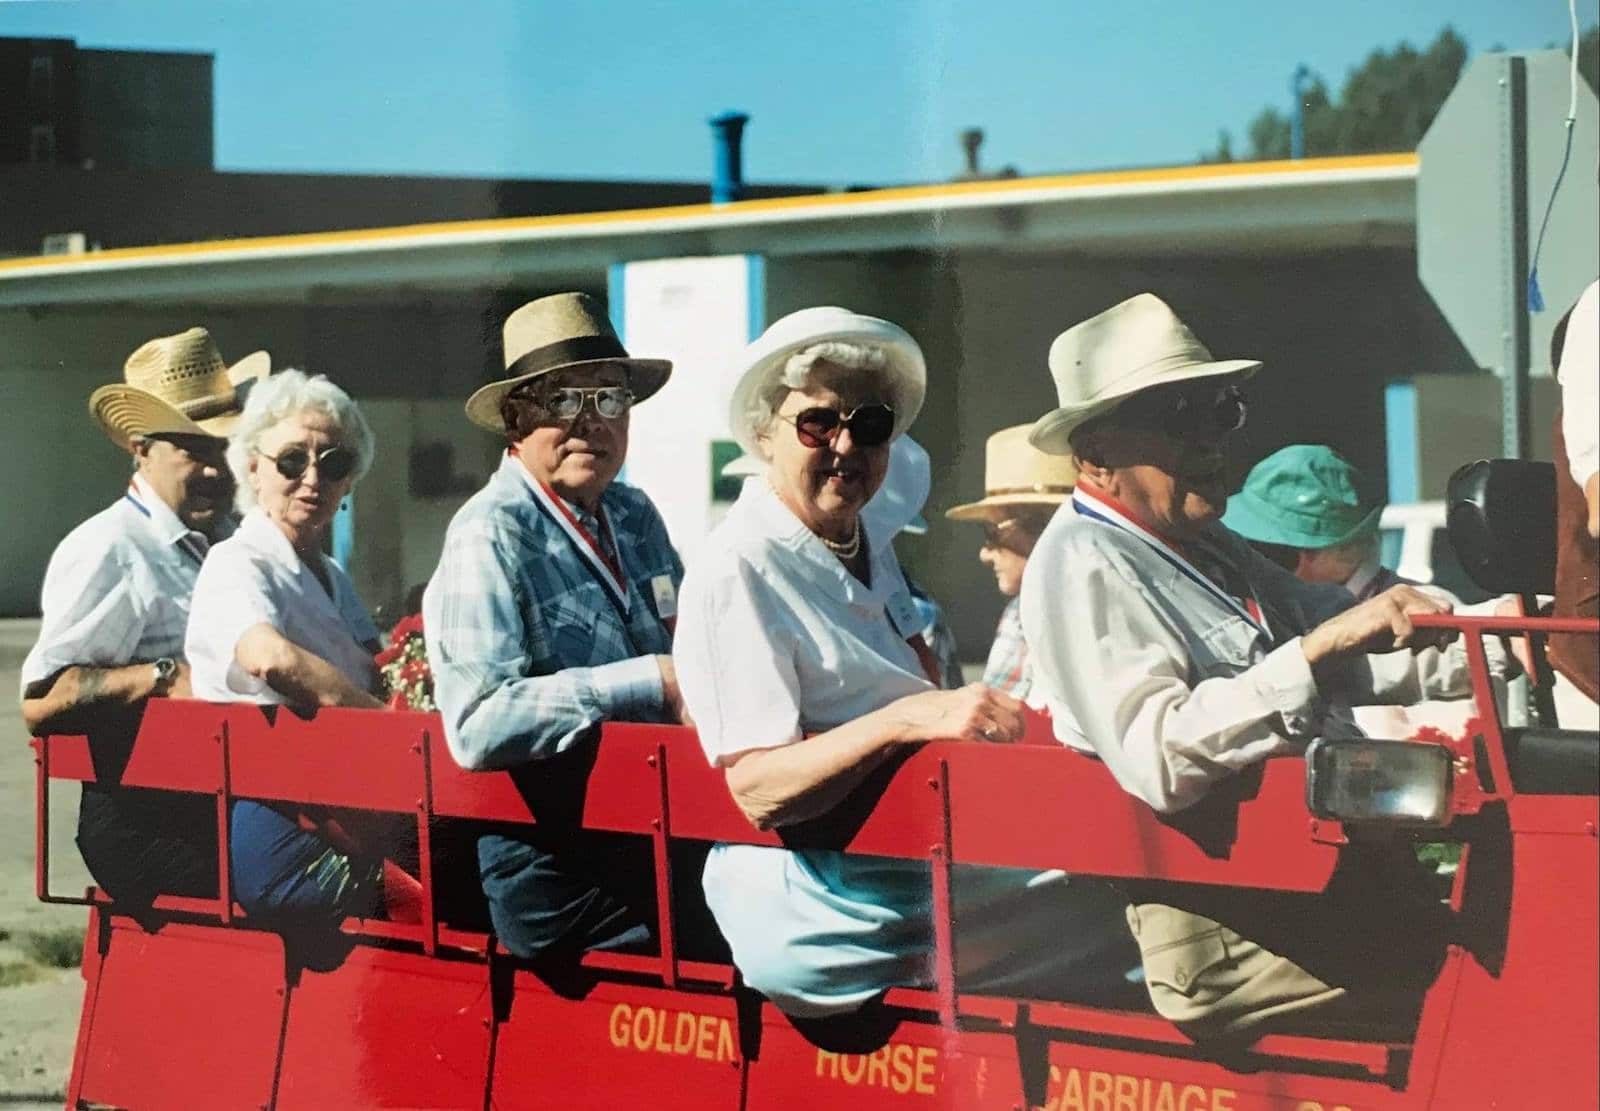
256	578
776	639
117	589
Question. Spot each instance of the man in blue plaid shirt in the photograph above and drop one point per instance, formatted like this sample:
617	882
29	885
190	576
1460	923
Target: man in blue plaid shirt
551	612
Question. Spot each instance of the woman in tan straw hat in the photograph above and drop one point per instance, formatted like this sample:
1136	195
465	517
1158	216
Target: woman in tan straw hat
116	601
803	666
1023	486
1165	645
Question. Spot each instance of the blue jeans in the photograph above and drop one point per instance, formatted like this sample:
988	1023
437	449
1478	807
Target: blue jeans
562	894
283	871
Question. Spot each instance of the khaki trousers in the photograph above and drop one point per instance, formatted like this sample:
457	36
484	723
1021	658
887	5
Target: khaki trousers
1213	983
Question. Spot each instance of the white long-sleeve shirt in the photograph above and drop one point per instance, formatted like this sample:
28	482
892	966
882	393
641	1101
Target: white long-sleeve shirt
1579	372
1173	685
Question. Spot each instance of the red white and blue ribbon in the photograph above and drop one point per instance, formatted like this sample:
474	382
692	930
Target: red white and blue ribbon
187	541
605	565
1098	506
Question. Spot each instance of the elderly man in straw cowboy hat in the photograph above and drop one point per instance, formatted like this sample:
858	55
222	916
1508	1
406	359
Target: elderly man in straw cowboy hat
1023	486
551	611
1166	646
116	603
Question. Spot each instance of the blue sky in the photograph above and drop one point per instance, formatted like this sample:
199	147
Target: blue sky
839	90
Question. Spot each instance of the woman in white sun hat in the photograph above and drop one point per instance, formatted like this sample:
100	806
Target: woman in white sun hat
800	661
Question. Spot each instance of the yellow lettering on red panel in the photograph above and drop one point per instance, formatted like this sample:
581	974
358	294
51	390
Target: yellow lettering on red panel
675	1033
898	1067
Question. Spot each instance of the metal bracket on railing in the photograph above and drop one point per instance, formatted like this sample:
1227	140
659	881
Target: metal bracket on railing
422	749
944	930
224	832
660	840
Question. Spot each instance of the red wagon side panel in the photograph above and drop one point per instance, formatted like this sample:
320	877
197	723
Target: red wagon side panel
188	1017
387	1029
1524	1027
617	1046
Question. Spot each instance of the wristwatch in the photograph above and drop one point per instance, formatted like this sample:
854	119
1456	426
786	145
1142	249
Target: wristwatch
162	672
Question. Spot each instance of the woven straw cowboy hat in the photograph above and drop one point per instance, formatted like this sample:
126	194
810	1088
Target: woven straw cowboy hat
177	385
1017	475
555	332
763	361
1107	359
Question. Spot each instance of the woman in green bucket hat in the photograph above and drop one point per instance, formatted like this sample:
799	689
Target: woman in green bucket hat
1303	507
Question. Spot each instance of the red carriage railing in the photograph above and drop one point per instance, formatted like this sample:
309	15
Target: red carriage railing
1030	806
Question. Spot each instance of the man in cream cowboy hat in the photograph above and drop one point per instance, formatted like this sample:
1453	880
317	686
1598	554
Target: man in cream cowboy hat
551	612
1167	647
116	603
1023	486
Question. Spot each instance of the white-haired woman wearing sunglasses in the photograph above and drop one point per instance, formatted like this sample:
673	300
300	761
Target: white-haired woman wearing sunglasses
799	658
275	621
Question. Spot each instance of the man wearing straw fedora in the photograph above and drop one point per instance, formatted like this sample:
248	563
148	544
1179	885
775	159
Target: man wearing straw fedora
551	611
115	605
1165	645
1023	486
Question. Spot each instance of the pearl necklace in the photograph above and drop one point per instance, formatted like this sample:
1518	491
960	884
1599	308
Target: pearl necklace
846	549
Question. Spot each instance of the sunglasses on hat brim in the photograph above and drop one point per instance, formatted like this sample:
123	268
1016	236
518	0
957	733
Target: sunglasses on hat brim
818	427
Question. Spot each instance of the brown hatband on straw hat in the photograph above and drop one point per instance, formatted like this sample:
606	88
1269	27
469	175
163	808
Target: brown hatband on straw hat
1017	475
553	333
179	386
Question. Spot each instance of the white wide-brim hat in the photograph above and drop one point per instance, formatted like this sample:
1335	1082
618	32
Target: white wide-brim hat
897	505
554	333
1129	348
177	385
905	374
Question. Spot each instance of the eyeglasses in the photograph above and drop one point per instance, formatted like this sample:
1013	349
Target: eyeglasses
334	464
996	535
1192	412
869	425
566	402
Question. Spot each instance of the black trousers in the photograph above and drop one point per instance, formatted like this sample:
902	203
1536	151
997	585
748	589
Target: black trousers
139	844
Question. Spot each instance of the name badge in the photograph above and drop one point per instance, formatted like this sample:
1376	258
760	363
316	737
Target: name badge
903	615
666	596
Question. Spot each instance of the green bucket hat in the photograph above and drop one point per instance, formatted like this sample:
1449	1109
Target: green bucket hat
1303	496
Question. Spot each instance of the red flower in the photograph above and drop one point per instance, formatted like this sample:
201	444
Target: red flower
388	655
412	623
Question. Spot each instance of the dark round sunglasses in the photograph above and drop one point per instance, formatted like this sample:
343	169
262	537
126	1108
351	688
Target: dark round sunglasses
334	464
869	425
1189	412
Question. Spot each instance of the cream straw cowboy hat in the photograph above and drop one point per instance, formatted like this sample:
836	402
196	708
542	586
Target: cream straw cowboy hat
177	385
762	363
1107	359
1017	475
555	332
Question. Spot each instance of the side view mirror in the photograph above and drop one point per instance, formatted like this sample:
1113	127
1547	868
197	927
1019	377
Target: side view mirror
1398	782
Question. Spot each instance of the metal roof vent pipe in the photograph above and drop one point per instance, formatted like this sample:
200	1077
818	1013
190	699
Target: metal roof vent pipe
727	169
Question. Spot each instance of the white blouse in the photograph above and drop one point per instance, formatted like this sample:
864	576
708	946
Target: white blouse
776	639
256	578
